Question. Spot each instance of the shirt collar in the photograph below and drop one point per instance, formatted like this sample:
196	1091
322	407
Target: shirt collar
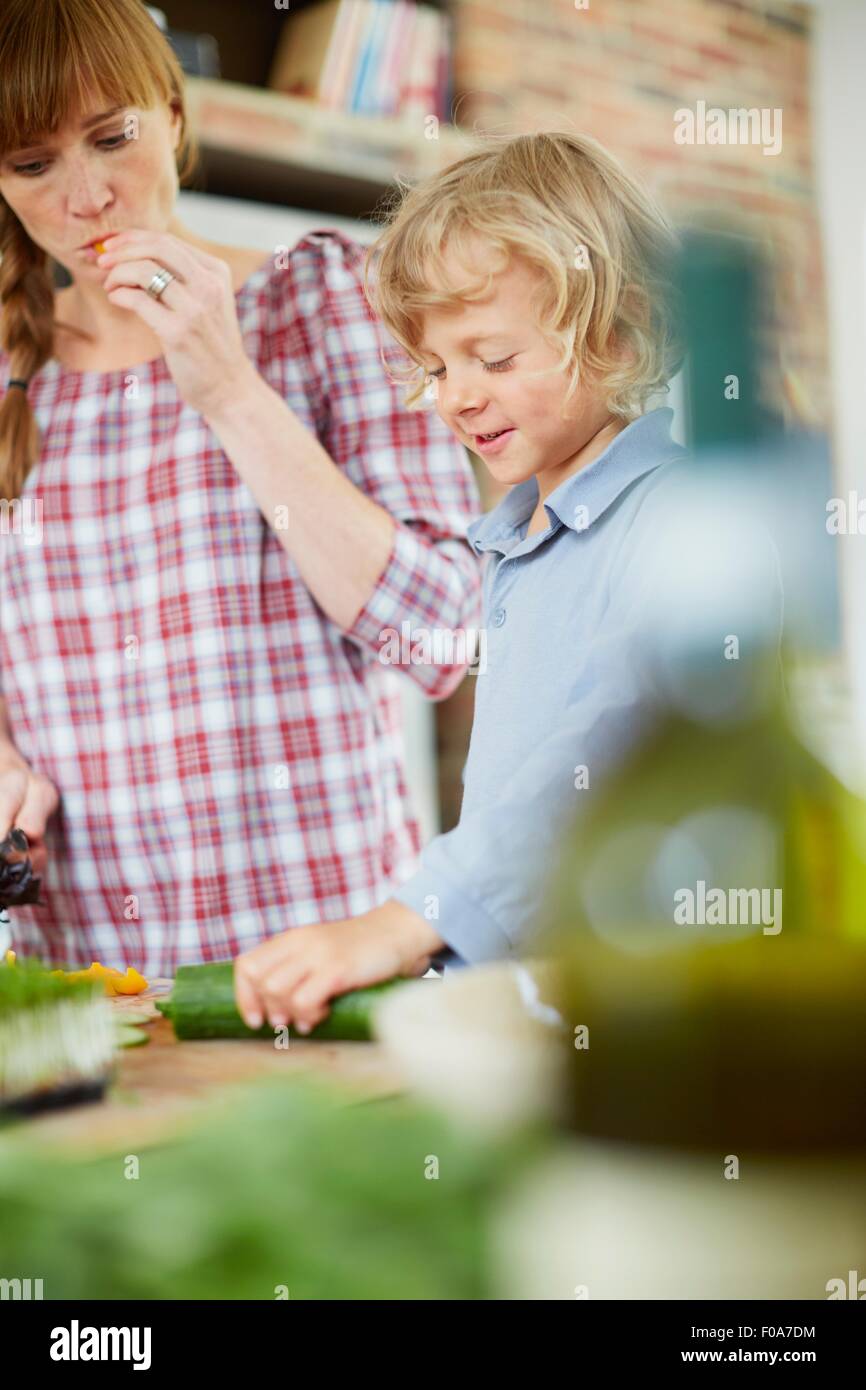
580	500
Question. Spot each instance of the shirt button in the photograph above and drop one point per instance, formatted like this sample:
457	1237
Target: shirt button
499	617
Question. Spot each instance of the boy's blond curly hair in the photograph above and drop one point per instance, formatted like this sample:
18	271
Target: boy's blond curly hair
564	205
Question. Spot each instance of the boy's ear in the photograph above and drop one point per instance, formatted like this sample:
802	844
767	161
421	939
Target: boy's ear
619	347
635	306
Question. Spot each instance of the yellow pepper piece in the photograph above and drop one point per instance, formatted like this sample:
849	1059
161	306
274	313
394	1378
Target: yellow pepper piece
130	983
114	981
11	957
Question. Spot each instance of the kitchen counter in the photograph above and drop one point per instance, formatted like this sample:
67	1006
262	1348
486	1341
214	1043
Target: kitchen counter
163	1087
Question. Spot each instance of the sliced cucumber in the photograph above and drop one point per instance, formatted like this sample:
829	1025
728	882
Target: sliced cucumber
134	1016
126	1035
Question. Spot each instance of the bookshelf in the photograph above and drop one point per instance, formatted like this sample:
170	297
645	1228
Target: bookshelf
247	32
265	145
260	144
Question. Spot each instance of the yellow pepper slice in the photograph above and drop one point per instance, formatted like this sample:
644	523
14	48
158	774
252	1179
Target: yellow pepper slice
130	983
114	981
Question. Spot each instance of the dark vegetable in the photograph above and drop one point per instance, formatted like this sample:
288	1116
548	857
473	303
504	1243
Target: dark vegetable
18	883
202	1005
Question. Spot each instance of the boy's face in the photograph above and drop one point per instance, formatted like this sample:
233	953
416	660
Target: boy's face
482	357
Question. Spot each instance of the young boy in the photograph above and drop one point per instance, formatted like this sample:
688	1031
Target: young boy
526	283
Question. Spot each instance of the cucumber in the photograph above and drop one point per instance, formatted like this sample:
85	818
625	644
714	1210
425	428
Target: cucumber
134	1016
202	1005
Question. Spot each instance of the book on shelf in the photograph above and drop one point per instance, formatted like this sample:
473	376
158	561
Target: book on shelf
370	57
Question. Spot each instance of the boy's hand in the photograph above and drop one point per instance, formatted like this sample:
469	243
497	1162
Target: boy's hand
291	978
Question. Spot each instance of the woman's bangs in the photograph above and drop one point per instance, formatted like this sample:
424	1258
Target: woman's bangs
49	73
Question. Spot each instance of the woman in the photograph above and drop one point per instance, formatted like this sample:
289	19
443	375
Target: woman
218	504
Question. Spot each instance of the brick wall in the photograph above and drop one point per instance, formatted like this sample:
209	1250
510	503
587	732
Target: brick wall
618	71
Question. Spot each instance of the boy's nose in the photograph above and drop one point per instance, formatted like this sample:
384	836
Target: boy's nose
457	397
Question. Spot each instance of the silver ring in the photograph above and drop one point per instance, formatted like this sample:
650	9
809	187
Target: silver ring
160	282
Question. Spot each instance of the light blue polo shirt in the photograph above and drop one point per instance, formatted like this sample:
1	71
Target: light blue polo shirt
557	691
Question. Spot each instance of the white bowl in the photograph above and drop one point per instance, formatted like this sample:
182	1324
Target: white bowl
480	1044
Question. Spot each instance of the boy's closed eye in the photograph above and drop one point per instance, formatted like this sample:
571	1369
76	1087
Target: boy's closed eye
502	366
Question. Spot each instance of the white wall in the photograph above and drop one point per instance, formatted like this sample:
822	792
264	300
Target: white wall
266	225
839	123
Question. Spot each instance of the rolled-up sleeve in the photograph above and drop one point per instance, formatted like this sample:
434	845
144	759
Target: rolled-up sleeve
425	608
484	881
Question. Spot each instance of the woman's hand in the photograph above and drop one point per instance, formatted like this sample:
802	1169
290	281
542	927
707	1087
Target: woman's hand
291	978
27	799
194	318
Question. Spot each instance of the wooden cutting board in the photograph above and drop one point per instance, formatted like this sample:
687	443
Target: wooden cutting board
164	1087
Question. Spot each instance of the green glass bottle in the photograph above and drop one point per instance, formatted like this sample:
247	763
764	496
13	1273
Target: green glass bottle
709	910
709	918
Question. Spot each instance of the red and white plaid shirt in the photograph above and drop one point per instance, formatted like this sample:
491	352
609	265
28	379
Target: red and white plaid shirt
229	760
